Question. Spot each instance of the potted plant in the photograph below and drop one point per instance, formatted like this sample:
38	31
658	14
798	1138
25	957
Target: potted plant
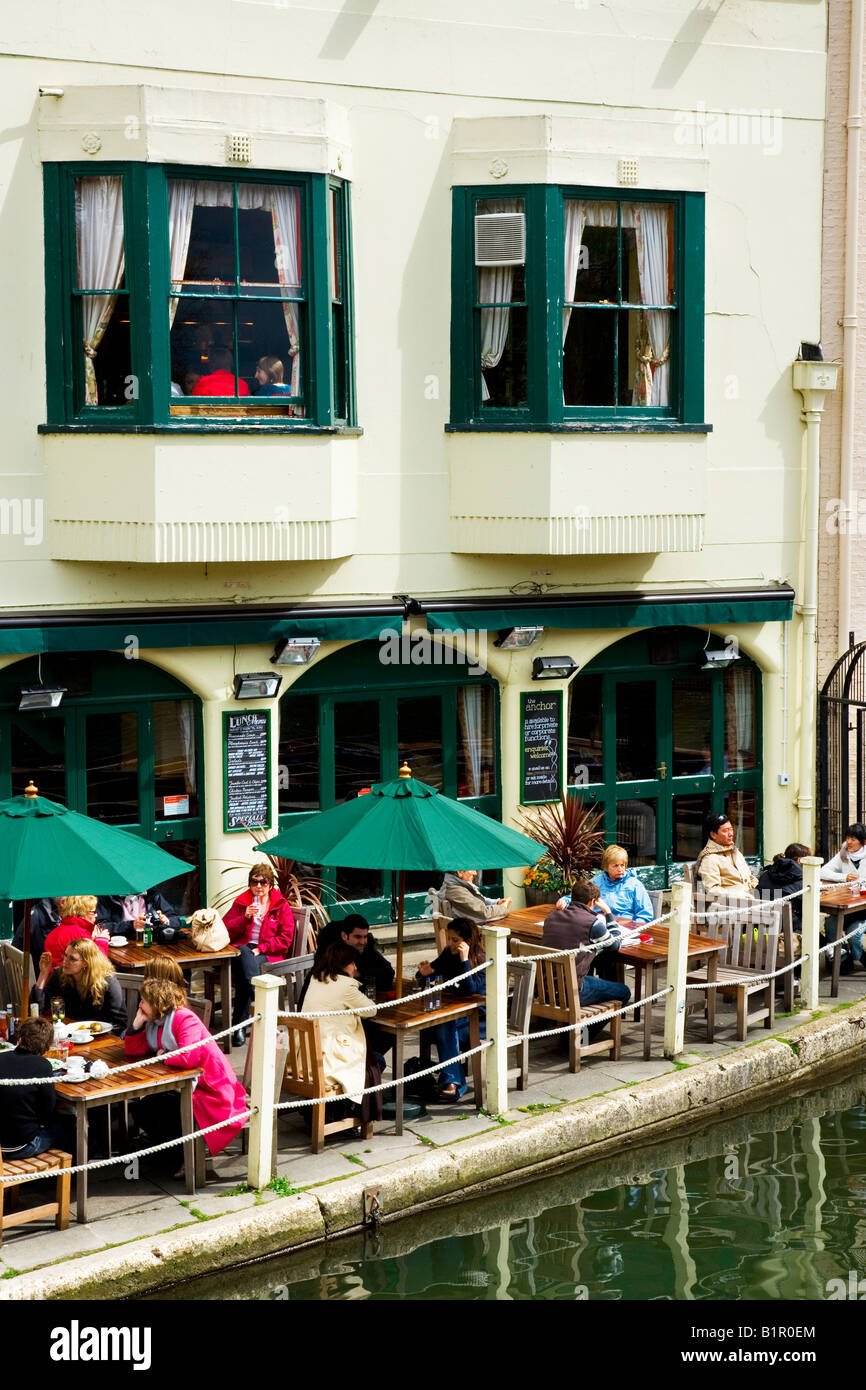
573	840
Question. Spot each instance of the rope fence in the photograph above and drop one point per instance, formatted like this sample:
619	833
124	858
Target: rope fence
125	1157
57	1080
373	1008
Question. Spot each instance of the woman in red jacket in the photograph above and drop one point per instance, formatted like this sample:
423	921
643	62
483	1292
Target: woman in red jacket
77	922
261	924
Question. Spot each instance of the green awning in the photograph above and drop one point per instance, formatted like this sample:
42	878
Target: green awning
114	636
348	629
614	615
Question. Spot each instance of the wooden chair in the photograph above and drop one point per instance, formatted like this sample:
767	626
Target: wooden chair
52	1161
292	973
441	917
304	938
130	983
520	983
556	999
12	973
304	1075
752	946
202	1007
656	897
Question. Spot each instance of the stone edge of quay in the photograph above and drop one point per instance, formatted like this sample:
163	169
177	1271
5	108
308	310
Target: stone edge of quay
631	1115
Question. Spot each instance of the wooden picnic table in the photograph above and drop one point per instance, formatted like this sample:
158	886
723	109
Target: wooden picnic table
527	924
85	1096
408	1018
839	903
134	957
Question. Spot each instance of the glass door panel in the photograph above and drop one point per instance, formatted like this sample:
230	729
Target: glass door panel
741	808
38	750
111	742
741	723
476	741
299	754
419	737
174	759
584	757
636	759
357	764
688	823
637	829
691	702
357	753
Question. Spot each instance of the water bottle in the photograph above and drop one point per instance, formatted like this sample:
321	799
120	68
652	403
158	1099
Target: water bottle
436	999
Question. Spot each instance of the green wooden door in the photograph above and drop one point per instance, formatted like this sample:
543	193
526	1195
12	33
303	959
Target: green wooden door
659	745
351	722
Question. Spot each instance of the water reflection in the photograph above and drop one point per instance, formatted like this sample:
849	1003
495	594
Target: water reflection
765	1208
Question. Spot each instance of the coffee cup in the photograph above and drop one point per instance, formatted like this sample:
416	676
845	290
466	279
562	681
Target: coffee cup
75	1069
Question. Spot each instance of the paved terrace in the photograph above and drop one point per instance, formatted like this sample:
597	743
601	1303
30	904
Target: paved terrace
126	1209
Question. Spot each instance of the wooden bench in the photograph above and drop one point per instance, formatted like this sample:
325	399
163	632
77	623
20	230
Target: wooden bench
557	1000
26	1170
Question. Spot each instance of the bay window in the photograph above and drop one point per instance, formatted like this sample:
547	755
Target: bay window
183	298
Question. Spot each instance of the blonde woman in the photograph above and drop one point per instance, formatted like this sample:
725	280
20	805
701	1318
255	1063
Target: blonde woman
623	897
77	922
86	983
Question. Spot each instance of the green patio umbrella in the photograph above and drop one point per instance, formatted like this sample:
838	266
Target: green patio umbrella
404	825
48	851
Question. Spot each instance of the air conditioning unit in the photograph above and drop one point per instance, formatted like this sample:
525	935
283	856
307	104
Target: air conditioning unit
500	238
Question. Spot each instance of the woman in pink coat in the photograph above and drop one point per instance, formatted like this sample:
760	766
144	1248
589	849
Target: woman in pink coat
162	1024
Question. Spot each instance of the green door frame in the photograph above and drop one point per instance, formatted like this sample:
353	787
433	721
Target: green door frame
380	909
74	715
663	789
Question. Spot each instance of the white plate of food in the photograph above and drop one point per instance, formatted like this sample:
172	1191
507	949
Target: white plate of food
93	1028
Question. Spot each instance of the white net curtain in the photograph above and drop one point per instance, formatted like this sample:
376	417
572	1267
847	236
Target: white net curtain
495	285
651	223
99	261
284	205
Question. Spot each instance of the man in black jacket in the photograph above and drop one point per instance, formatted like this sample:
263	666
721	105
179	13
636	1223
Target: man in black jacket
44	917
28	1124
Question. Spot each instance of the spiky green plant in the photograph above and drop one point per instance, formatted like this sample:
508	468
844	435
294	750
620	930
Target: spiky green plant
571	835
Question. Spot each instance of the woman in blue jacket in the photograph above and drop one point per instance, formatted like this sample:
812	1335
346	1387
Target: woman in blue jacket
621	890
463	951
623	896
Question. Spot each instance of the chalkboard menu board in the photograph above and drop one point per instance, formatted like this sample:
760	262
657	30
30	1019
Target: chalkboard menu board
247	767
540	746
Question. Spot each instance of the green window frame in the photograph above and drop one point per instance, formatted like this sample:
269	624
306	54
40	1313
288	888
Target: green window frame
544	300
327	388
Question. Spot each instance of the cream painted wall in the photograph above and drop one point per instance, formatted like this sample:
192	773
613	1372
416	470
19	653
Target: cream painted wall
401	75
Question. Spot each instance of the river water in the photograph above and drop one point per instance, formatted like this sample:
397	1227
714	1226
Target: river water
766	1207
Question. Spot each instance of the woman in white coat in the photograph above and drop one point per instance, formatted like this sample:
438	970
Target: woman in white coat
350	1065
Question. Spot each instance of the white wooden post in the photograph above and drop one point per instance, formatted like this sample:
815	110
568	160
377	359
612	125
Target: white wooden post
264	1044
811	927
678	945
496	1057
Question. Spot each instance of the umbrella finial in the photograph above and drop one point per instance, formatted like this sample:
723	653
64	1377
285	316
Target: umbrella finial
31	789
405	770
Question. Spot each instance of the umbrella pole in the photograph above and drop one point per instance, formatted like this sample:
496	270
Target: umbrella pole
401	891
25	965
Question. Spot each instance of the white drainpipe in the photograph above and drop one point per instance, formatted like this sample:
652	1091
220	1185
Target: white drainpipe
813	380
849	315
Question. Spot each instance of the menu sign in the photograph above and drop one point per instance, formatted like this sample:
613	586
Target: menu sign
247	754
541	746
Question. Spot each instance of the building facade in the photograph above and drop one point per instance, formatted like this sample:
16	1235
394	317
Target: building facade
408	334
